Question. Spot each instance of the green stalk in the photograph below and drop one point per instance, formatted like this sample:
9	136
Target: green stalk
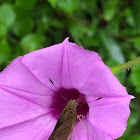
125	66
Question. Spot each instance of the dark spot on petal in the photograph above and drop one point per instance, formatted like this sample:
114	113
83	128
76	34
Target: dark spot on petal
99	98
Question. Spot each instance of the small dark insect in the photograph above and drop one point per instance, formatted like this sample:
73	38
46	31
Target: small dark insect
66	122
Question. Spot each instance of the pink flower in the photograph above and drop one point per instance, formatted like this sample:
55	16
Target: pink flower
30	105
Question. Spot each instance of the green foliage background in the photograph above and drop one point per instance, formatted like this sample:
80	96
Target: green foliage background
109	27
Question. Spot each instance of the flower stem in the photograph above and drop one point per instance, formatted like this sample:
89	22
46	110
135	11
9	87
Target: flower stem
125	66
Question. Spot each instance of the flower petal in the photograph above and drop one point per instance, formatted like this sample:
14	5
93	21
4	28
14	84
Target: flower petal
17	76
50	63
110	115
86	131
41	100
38	128
14	109
63	63
80	63
101	82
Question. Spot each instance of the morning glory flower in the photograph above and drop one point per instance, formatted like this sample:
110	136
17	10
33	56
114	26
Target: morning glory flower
30	104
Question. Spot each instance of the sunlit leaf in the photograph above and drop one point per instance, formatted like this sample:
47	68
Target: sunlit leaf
112	46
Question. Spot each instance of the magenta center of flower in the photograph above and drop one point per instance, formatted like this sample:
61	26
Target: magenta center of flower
59	102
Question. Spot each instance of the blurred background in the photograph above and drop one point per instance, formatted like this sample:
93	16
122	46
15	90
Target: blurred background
109	27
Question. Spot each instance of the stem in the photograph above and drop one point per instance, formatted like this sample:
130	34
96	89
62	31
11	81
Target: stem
125	66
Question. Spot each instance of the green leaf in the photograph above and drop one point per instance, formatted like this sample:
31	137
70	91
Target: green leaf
53	2
129	17
135	137
135	77
110	8
136	42
77	30
24	22
136	12
112	47
89	6
3	30
113	26
5	52
26	4
7	17
91	41
68	6
32	42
